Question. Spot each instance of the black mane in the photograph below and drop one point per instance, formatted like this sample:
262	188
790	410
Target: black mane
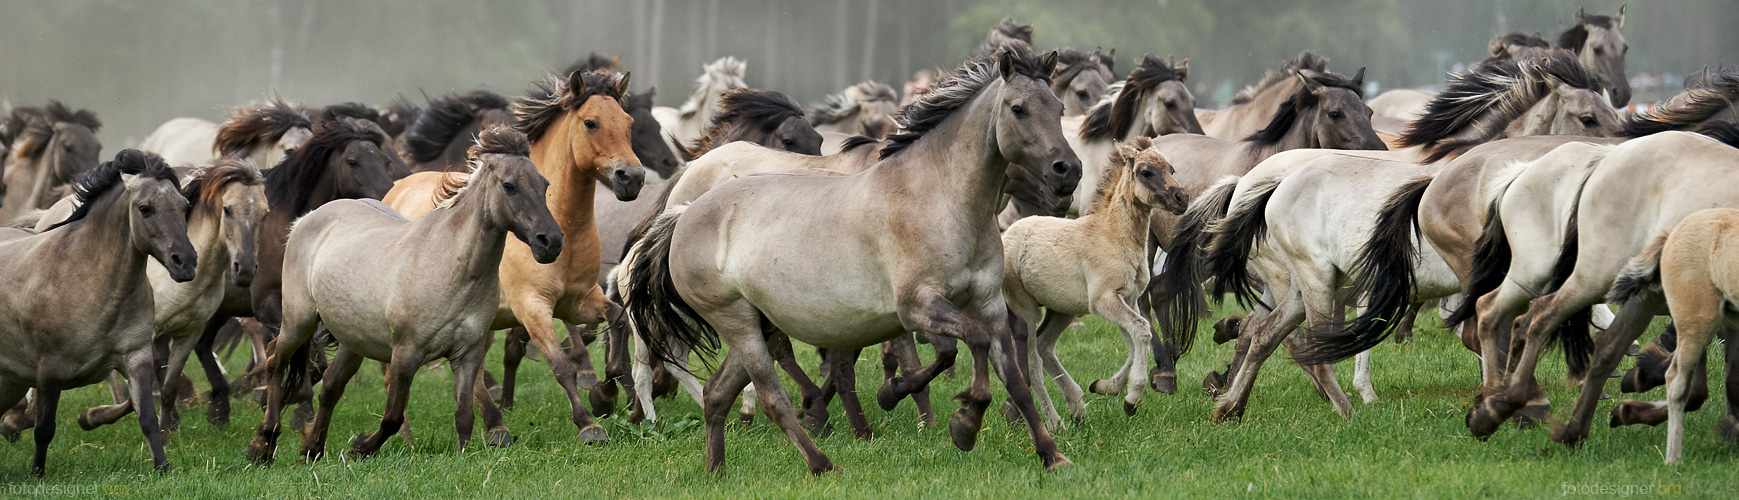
1688	108
957	89
761	109
593	62
289	185
1489	96
554	96
443	119
1288	112
107	176
249	128
1113	121
30	128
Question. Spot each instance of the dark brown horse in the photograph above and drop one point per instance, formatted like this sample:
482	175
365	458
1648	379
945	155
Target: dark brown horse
446	127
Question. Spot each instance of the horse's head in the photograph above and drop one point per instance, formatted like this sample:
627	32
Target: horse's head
512	191
232	192
1153	177
58	138
1170	108
761	116
1332	110
156	212
1601	47
1027	124
361	166
1577	111
1081	79
647	136
595	131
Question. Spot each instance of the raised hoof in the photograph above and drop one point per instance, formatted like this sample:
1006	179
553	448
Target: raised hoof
498	439
1634	349
888	397
1632	412
84	420
259	453
1102	387
603	399
1531	415
593	434
11	434
1128	409
359	448
746	418
818	428
1728	429
1165	383
1226	330
1062	462
1010	412
963	431
586	380
1213	384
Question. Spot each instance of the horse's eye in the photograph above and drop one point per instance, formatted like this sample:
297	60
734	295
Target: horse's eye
1170	104
788	143
1589	121
1599	51
226	212
1147	173
1018	110
591	125
1334	115
351	162
1081	94
509	187
147	211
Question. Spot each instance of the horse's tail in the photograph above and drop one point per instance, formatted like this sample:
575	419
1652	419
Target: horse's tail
1573	333
1491	262
1383	272
1177	291
1642	274
652	214
1234	237
659	314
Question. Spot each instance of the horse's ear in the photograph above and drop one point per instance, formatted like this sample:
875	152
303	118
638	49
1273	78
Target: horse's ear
1005	63
1048	65
1309	84
650	92
1359	78
1580	15
1183	70
1620	17
1128	153
577	84
622	83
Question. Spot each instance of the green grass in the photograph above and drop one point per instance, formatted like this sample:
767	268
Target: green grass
1412	444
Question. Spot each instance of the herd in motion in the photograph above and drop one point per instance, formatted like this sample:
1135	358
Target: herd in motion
1517	196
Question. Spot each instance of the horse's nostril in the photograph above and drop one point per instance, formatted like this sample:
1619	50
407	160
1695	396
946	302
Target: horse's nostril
542	239
175	258
1060	168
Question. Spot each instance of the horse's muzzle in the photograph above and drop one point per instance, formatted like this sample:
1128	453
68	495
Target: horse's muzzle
1063	176
181	265
545	247
626	180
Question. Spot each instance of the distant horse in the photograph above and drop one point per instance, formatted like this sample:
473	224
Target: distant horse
1252	108
1601	47
228	201
261	133
865	109
1096	264
765	117
579	140
883	271
71	320
1006	31
1154	100
648	136
1687	266
419	301
438	140
1081	78
50	147
685	124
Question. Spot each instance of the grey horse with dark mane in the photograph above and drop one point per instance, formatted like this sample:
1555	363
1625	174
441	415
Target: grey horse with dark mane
50	147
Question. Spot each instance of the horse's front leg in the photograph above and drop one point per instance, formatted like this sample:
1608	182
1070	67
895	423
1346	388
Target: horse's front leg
1139	335
536	316
618	364
217	408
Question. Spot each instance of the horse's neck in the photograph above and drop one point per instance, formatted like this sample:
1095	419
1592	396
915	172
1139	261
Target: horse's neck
570	189
1123	219
116	267
958	161
205	231
1536	121
481	242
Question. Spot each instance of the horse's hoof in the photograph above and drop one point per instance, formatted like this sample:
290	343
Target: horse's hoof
1059	463
1101	387
1213	383
359	449
1010	412
1728	429
1480	421
498	438
1531	415
818	429
300	417
171	422
215	416
963	432
603	399
1634	349
11	434
888	397
823	466
259	453
84	421
1226	414
1226	330
746	418
312	455
593	434
1165	383
1128	408
586	379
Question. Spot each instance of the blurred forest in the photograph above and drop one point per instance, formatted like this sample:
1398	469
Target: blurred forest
141	62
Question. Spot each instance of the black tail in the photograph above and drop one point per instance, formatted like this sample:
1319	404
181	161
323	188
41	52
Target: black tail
1234	237
1176	293
1383	273
1642	274
1491	262
658	312
1578	343
652	214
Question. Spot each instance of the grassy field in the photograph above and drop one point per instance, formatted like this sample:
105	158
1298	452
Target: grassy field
1412	444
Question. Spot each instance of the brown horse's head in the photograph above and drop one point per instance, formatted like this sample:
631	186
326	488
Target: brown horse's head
1153	176
1601	47
233	193
344	159
511	191
583	113
1327	111
765	117
1027	125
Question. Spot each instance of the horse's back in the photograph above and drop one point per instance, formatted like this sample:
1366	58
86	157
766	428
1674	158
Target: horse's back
414	196
183	141
1046	257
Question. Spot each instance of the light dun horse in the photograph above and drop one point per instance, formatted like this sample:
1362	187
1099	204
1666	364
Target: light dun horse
1096	264
865	109
1082	77
261	133
685	124
50	147
70	321
936	273
579	139
388	289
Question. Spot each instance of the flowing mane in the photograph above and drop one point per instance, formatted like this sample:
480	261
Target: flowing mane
759	108
554	96
955	91
1688	108
1005	32
1304	61
844	104
1115	113
594	62
249	128
32	128
1724	131
205	185
290	183
355	110
1485	99
1287	114
91	187
498	140
726	72
399	115
1516	45
443	119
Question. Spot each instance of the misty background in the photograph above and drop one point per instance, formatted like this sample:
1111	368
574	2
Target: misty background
138	63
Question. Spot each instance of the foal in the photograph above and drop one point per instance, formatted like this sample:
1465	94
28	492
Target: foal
356	266
1096	264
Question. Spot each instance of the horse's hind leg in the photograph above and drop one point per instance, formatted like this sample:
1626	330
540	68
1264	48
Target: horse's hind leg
1139	335
100	416
1266	336
1362	378
844	380
721	391
1697	327
895	389
12	392
580	337
1630	323
1008	367
178	352
903	351
779	345
285	364
1049	332
512	352
338	373
536	318
217	406
617	366
1728	426
464	388
47	400
404	368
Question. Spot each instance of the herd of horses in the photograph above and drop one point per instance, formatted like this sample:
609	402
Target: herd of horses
1517	197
